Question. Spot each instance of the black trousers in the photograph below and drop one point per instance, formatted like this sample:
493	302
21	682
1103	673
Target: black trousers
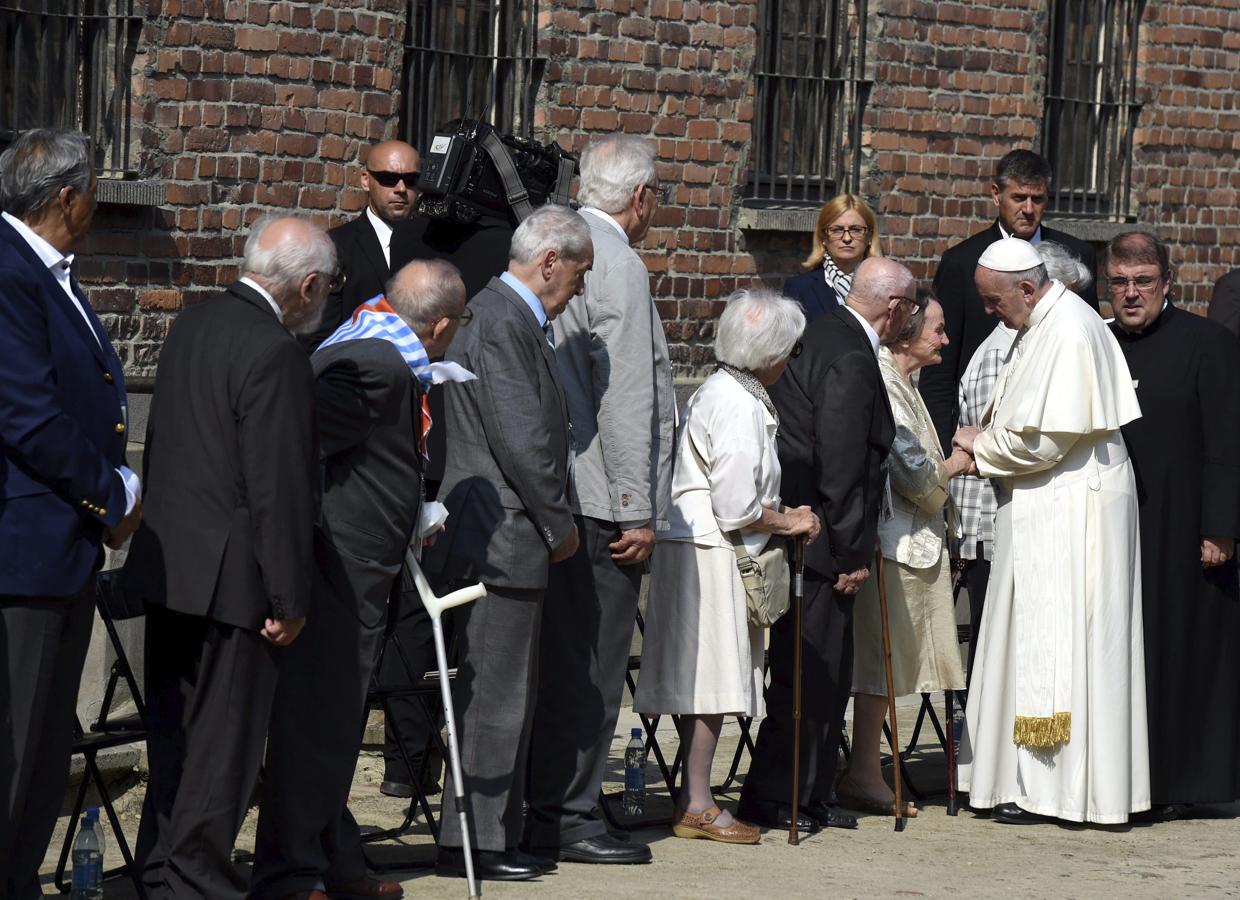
826	681
209	690
43	641
408	722
587	633
307	837
976	579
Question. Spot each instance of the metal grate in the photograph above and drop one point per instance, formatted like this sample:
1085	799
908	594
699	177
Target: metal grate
1091	110
67	64
469	59
810	96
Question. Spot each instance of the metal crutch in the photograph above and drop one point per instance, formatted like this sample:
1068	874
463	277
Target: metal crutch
436	606
798	599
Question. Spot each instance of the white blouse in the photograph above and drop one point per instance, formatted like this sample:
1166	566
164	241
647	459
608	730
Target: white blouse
735	437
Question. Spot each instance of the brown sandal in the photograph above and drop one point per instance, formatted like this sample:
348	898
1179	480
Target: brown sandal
702	825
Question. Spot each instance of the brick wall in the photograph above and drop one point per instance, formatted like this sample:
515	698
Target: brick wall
248	106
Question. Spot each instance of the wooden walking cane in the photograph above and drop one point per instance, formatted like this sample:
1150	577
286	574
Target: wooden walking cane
899	810
798	594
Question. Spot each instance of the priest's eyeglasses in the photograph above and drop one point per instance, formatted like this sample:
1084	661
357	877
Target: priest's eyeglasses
856	232
1143	283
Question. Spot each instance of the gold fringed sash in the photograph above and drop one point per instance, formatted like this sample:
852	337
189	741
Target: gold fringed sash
1042	731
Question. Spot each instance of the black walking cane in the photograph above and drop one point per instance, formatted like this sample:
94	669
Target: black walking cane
798	595
899	810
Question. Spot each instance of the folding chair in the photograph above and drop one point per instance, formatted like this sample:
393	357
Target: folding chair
105	733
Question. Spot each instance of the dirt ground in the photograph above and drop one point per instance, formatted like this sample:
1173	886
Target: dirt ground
936	856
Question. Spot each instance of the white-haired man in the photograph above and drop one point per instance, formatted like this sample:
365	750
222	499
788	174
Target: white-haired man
506	487
224	558
1056	713
613	363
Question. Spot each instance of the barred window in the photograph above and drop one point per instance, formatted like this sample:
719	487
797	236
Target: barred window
470	59
810	95
1091	110
67	64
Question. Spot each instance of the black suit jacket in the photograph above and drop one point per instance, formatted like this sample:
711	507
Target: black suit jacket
368	404
811	290
835	432
506	483
1225	302
967	322
360	257
231	468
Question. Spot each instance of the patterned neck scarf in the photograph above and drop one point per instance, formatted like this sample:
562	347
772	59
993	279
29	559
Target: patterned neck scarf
376	319
839	281
752	386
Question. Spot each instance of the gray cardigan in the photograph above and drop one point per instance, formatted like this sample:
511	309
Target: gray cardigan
613	363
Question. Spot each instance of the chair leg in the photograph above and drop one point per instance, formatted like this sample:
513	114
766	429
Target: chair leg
952	803
745	743
898	759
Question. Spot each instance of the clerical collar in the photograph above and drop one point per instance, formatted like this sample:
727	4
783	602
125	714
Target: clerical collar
1035	240
869	329
1148	329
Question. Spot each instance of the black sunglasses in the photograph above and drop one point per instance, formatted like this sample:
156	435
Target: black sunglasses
391	179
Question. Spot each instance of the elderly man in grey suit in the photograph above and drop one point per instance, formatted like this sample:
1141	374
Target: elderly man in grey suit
507	487
613	363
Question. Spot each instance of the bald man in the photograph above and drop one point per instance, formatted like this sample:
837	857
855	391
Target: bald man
224	560
378	242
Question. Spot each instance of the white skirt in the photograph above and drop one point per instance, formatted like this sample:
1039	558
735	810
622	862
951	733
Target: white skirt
700	655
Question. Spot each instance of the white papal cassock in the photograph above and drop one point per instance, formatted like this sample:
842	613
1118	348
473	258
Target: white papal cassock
1056	712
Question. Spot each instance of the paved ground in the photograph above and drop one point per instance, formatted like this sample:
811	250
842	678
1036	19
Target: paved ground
936	856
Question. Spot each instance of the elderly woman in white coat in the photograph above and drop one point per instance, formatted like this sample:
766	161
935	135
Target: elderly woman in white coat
925	655
702	659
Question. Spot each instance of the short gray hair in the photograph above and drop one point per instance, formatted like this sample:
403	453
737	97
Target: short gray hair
611	168
917	321
551	227
283	265
1064	265
39	165
758	328
425	291
1037	275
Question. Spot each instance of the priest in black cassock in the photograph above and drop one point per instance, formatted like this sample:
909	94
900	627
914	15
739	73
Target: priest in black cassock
1186	452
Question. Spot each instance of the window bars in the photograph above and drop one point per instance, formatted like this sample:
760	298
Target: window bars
469	59
810	97
1091	107
67	64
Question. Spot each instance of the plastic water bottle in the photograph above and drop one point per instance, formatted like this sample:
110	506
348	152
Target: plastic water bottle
88	858
635	775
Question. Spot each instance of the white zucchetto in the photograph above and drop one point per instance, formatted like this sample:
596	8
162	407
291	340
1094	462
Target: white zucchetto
1010	254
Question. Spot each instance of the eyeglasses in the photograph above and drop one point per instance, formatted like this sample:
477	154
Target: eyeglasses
336	284
856	232
664	193
796	350
917	303
1143	283
391	179
466	316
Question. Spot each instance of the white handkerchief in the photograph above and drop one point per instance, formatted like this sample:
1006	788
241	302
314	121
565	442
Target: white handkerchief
449	371
434	514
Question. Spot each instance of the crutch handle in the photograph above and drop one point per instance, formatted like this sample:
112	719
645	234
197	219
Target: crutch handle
435	605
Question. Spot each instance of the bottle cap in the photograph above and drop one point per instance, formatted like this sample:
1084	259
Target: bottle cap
92	814
635	732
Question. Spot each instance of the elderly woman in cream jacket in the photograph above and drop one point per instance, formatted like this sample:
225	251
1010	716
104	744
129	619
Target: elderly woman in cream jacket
702	659
925	655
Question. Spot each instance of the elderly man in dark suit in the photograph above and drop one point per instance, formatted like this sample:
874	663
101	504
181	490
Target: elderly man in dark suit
376	244
370	377
1020	190
835	433
224	557
507	492
64	486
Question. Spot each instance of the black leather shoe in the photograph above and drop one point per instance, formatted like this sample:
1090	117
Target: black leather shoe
489	865
545	862
601	849
828	816
773	815
1164	812
1011	814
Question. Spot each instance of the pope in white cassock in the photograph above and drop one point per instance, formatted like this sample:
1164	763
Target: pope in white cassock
1056	713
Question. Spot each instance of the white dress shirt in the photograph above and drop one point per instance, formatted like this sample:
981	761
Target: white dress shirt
869	329
1035	240
606	217
251	283
383	231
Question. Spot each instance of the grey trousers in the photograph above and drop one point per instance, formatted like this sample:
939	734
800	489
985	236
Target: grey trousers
209	690
306	835
43	641
493	697
587	633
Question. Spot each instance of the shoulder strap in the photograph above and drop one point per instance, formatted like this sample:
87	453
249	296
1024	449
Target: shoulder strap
518	196
734	537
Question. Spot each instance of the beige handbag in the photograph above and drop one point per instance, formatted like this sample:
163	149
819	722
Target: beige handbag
766	577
